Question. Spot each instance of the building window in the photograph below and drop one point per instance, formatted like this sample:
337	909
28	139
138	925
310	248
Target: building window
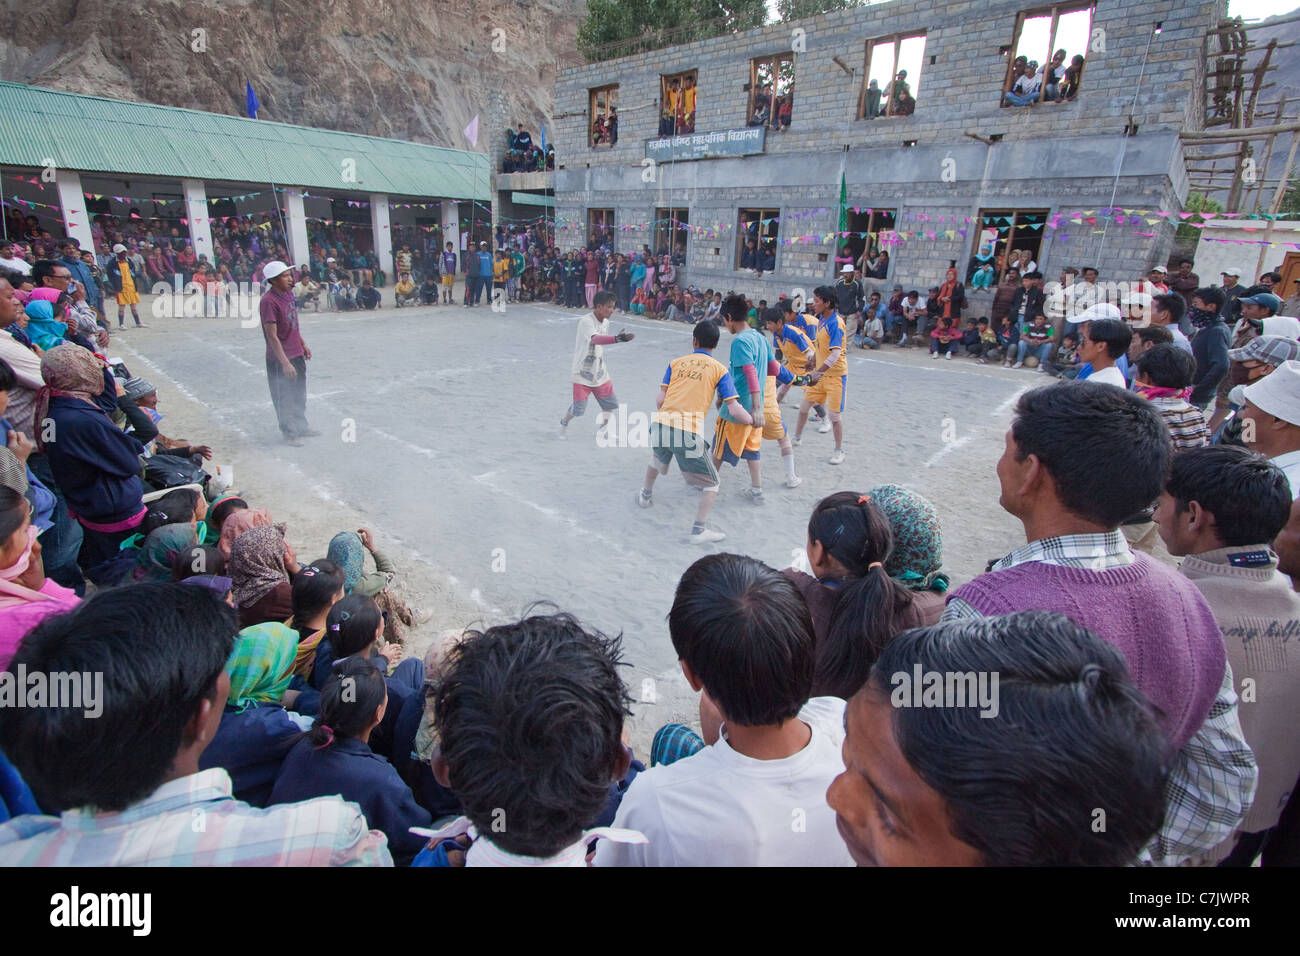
600	229
672	226
756	239
867	252
1002	241
771	91
677	103
602	113
892	76
1048	54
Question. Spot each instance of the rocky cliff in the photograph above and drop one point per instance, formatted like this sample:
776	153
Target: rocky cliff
414	70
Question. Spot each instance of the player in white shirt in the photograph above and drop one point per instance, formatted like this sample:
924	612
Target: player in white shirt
590	377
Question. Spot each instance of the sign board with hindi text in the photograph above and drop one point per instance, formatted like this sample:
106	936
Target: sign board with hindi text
723	142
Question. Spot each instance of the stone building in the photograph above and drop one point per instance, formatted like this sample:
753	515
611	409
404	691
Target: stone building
928	187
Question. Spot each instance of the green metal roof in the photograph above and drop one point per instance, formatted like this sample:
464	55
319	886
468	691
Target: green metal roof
95	134
531	199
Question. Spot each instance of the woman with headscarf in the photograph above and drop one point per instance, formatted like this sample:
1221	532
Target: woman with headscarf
256	730
153	561
952	298
261	564
917	558
26	595
42	329
96	465
348	551
237	522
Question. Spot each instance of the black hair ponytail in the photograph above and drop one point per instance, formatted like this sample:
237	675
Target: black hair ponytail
870	604
348	701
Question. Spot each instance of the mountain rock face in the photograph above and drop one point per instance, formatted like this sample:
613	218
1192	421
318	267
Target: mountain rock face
415	69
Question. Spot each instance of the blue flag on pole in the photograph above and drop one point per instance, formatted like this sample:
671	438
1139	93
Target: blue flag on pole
251	106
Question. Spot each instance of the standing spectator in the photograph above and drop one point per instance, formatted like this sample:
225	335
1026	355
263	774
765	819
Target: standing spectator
471	276
1104	341
952	298
1026	304
1270	415
1209	345
287	354
1167	311
122	279
1164	378
591	277
849	299
1185	282
72	259
1233	290
1004	296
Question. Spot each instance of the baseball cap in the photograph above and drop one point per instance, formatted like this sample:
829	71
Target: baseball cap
119	248
1102	310
331	259
1273	349
1161	269
1276	394
273	269
1267	299
847	269
1231	271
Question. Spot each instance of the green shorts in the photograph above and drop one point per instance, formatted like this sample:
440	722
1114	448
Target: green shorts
690	450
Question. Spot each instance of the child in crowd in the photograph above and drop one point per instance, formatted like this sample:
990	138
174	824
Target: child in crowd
970	338
856	606
1008	338
988	340
549	681
1164	378
745	639
943	338
638	304
1066	362
316	588
335	758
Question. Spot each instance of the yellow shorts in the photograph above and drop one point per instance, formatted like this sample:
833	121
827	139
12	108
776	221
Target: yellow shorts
447	280
128	298
773	427
733	441
829	391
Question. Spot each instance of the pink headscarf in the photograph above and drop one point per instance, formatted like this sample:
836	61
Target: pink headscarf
237	522
45	294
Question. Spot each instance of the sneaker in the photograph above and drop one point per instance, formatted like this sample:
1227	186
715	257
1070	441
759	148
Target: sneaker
796	441
643	500
794	482
141	325
902	342
837	456
564	431
949	355
824	427
753	495
706	536
420	615
1019	365
934	355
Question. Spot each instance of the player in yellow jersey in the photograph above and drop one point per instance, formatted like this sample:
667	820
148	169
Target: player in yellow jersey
794	340
685	395
828	378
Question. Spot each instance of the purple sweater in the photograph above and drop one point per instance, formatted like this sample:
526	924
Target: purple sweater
1149	612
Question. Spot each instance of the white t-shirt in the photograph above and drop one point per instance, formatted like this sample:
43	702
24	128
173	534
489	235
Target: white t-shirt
1109	376
589	359
1289	462
1182	341
17	265
1029	85
721	808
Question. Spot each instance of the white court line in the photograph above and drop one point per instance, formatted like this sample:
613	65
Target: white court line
487	480
966	439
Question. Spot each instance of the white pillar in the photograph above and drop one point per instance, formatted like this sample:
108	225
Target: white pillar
383	233
76	220
196	211
451	225
299	249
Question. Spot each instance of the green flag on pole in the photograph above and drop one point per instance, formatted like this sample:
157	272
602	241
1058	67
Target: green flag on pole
844	204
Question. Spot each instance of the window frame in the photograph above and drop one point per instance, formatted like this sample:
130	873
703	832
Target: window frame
742	234
662	229
607	218
896	39
592	94
774	60
1015	213
665	79
1055	10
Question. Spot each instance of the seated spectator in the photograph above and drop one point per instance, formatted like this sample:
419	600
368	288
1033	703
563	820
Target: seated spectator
26	595
970	338
1066	362
125	776
744	638
429	289
334	757
916	559
856	606
158	552
1035	337
231	517
1024	91
1066	443
986	341
316	588
306	292
1164	378
343	295
368	296
916	788
260	565
348	549
873	329
1069	87
1221	508
256	729
201	561
944	338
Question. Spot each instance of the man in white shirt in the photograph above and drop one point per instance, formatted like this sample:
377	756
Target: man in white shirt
1102	343
9	259
1270	419
1024	91
590	377
756	795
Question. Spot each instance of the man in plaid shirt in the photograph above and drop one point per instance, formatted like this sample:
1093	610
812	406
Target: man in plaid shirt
126	779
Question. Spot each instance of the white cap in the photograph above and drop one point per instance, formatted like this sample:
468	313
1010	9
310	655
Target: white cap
331	259
273	269
847	268
1231	271
1287	326
119	248
1161	269
1277	393
1102	310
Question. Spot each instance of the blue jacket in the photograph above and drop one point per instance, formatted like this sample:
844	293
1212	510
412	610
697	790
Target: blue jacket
96	464
94	295
347	767
251	747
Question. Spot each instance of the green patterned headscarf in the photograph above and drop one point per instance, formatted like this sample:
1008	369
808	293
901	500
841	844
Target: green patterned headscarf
260	665
917	557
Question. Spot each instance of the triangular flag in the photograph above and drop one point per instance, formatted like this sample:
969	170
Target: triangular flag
471	131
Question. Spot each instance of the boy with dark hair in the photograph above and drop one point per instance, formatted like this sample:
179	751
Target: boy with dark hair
1066	362
685	395
756	795
1209	344
1102	344
750	361
1066	444
548	681
1164	378
590	376
122	764
916	789
829	376
1220	509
